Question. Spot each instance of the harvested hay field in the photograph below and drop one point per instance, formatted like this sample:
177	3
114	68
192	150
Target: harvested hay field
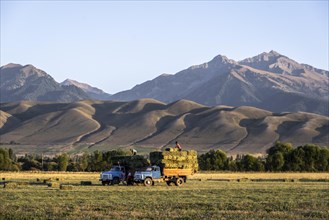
258	176
194	200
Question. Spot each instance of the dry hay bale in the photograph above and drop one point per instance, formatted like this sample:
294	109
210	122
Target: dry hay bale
85	183
22	183
192	153
10	185
183	153
47	180
53	185
174	158
181	158
166	153
190	157
172	149
66	187
243	180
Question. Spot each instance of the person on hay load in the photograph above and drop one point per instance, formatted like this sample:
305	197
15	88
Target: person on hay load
133	152
178	146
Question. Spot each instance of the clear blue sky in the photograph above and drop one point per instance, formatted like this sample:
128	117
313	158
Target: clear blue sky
115	45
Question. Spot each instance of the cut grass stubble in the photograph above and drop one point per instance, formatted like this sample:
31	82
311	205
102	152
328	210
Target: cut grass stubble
194	200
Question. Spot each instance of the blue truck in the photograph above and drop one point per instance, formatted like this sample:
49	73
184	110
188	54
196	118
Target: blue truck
113	176
153	174
123	169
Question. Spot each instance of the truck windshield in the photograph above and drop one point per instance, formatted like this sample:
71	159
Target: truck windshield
115	169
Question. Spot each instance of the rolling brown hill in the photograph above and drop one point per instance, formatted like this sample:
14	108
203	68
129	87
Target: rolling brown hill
148	124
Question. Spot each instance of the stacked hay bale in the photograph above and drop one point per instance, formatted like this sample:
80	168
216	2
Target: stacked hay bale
174	158
136	161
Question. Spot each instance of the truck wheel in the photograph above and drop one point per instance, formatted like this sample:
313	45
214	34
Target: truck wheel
103	183
179	182
116	180
148	181
169	183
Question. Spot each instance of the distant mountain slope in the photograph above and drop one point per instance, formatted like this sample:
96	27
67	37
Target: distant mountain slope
20	83
270	81
150	124
29	83
93	92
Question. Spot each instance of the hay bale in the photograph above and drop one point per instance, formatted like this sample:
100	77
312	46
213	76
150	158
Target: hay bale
85	183
10	185
46	181
22	183
243	180
66	187
54	185
174	158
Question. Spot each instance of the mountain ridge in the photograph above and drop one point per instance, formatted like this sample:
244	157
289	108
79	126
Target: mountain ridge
27	82
93	92
268	80
254	81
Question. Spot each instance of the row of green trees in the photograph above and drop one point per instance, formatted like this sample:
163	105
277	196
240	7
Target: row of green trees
96	161
7	160
280	157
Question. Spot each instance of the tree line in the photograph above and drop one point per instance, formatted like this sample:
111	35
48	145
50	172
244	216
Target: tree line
280	157
89	162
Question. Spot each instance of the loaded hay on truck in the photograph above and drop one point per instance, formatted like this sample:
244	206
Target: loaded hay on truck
173	158
170	166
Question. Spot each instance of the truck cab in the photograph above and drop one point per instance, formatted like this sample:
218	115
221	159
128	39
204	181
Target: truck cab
148	175
113	176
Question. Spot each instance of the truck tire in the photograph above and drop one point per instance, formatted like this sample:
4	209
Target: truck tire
116	180
179	181
148	181
103	183
169	183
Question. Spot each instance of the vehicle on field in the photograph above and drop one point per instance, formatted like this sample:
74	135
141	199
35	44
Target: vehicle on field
113	176
123	172
153	174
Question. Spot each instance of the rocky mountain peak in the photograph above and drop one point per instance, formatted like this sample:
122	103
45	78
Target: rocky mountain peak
68	82
30	70
220	60
93	92
11	65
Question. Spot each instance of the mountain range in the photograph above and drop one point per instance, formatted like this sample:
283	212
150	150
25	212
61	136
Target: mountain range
148	124
238	106
269	81
30	83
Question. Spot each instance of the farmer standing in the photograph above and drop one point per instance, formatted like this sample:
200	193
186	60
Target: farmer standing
178	146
